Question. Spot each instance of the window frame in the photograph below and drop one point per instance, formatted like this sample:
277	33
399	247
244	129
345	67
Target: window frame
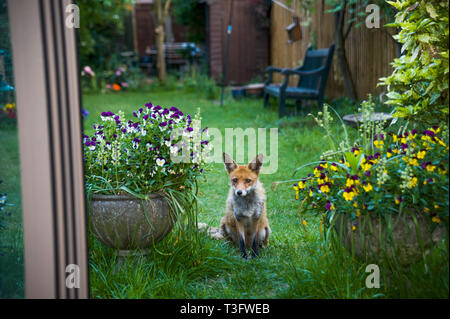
48	100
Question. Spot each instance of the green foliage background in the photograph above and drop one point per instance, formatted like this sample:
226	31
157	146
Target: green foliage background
418	87
191	13
102	32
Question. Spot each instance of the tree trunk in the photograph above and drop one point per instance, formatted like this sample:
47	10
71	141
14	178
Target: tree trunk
339	41
161	59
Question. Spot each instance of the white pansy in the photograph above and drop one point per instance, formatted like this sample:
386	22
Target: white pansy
160	161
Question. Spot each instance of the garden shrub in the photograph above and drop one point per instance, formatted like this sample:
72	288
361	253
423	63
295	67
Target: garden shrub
418	87
102	32
191	13
197	81
118	79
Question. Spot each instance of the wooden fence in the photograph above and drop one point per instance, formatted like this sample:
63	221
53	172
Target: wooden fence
369	51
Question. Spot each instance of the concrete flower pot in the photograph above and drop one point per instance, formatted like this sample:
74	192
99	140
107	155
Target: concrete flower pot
374	237
130	224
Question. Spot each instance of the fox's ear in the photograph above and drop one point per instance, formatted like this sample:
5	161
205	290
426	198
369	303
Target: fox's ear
256	164
230	165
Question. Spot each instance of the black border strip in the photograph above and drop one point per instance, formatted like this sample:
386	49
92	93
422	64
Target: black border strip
51	148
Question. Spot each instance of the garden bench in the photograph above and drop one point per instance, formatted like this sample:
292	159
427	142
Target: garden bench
174	54
312	81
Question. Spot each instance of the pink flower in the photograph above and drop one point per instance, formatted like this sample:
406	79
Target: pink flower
88	70
124	84
108	86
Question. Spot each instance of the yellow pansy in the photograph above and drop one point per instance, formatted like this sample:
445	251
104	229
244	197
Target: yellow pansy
437	130
349	195
366	166
413	182
421	154
413	161
368	187
436	219
325	188
378	144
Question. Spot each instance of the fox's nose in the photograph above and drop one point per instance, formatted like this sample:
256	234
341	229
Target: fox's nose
239	192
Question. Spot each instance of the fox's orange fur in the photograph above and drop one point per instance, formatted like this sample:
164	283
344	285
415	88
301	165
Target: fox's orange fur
245	221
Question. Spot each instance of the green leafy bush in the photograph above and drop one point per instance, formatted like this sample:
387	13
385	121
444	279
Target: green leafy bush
102	32
418	87
196	81
191	13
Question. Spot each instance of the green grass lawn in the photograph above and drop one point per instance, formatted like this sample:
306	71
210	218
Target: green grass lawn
11	238
296	264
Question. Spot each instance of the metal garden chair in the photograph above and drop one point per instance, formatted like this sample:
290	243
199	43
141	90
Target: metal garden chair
313	75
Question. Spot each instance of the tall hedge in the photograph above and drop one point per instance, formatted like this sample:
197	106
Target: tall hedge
418	87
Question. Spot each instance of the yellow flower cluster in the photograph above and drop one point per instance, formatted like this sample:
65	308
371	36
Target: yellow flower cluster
401	166
9	107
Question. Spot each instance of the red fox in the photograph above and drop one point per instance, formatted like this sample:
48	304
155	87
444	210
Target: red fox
245	221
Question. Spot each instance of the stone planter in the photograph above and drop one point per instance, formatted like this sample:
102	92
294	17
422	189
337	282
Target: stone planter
378	237
130	224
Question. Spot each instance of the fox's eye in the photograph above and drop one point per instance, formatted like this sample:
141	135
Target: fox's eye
234	180
248	180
